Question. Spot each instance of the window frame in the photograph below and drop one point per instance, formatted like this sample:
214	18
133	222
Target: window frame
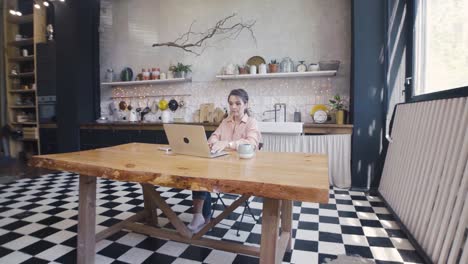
412	6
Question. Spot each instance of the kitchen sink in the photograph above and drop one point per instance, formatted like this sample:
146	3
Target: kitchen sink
280	127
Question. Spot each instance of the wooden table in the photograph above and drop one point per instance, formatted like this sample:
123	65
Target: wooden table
279	178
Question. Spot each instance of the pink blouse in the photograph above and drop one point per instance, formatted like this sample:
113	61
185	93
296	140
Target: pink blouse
246	132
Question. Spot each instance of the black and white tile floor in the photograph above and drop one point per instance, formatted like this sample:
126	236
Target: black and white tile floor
38	224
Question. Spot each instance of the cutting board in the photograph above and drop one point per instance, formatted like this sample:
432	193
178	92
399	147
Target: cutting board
218	115
206	113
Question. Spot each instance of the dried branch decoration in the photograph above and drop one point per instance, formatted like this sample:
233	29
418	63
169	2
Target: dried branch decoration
185	42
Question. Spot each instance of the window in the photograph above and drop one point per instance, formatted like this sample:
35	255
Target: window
440	46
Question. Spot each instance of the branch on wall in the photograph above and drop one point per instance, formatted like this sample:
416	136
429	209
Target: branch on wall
196	42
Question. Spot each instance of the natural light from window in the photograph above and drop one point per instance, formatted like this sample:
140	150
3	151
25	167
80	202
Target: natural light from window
440	46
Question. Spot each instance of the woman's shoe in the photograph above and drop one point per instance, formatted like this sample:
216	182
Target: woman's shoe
197	221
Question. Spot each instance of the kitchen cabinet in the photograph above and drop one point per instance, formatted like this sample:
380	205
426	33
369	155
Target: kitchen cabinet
92	137
48	140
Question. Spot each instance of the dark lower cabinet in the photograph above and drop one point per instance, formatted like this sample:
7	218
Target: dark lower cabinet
48	138
99	138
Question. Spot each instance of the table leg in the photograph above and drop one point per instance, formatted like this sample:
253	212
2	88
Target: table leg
86	220
286	220
150	205
270	232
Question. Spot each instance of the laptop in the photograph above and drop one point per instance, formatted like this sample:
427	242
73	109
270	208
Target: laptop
189	140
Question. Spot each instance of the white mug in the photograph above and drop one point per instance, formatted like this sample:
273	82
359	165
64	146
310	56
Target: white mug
25	52
262	68
253	69
166	116
246	151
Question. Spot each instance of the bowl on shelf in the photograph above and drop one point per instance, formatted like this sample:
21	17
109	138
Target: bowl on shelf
330	65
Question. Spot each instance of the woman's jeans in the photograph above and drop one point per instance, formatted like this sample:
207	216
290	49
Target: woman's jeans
206	196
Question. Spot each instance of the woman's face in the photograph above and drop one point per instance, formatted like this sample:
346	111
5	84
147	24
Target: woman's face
236	106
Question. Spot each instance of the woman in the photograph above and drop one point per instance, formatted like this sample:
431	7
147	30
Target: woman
237	128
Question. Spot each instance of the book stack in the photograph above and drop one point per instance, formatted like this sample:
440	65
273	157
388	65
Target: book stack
30	133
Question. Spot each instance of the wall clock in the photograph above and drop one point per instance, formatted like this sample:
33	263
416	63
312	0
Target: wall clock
320	116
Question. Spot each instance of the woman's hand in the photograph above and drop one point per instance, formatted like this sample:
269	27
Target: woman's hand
219	146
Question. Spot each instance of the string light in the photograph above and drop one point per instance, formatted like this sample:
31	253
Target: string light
45	3
37	6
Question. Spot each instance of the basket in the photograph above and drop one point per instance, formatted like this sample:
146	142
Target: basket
331	65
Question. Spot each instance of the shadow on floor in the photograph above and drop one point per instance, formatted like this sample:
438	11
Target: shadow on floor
13	169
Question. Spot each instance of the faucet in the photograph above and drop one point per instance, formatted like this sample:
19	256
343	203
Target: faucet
278	107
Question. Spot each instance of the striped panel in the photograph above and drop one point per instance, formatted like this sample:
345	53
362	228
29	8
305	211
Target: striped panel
425	176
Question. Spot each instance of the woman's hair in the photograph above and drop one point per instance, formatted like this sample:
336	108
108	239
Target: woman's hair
242	94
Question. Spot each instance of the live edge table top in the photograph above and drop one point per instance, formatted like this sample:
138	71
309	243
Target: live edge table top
277	175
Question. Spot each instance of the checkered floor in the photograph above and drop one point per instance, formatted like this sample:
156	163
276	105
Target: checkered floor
38	224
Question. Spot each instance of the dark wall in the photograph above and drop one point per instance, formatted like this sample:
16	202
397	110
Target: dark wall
76	31
368	92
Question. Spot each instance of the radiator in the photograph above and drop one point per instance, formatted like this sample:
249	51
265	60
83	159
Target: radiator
425	176
338	148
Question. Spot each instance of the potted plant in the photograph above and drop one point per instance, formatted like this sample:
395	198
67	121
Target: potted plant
180	70
273	66
338	105
243	69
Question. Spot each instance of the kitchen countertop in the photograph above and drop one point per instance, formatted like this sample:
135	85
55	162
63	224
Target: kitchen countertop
309	128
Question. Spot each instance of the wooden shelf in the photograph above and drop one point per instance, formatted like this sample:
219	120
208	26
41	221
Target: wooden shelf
22	59
24	19
133	83
22	75
23	42
28	139
22	106
277	75
23	91
23	123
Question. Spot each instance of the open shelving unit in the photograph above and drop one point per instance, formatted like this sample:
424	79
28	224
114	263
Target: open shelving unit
22	32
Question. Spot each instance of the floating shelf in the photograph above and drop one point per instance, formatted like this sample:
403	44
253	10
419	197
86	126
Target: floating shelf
24	123
23	91
21	75
24	19
23	42
151	96
21	59
133	83
28	139
22	106
277	75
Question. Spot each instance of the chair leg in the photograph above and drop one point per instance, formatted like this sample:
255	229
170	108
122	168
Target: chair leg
238	224
250	211
218	198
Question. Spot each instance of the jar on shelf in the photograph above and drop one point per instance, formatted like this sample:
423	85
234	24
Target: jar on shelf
286	65
145	75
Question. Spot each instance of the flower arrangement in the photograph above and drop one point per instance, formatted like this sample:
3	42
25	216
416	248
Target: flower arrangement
338	103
